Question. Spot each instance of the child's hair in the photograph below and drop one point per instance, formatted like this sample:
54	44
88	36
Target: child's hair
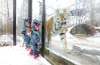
27	23
36	26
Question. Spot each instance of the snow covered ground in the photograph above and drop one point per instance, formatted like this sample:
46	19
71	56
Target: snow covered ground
86	53
8	39
92	41
15	55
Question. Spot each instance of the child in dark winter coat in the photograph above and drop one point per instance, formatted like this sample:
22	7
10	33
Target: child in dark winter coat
27	33
27	38
35	39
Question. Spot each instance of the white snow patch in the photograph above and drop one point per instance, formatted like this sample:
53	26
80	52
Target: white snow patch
18	56
8	39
